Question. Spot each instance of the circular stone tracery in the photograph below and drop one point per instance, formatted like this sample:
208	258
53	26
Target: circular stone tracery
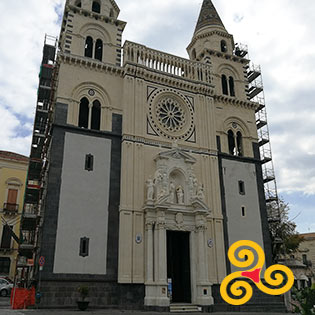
170	114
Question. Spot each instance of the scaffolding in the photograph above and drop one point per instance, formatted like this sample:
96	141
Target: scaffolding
32	214
255	93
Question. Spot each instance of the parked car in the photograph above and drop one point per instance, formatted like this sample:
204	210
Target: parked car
6	278
5	287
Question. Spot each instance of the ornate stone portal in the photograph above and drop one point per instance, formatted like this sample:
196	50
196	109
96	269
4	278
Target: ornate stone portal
175	202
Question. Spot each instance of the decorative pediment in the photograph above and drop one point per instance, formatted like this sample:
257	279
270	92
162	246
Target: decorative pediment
199	205
176	154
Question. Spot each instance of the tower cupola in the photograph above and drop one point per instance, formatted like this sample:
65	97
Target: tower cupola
210	35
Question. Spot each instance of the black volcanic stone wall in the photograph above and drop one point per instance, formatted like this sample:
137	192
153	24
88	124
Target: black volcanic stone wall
59	290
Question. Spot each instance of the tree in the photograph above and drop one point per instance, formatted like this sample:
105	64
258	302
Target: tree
285	238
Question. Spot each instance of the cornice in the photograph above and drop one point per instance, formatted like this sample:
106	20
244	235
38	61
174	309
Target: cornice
139	71
207	34
97	16
89	63
236	102
167	145
227	56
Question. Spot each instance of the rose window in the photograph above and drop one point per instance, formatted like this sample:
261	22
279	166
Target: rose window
170	114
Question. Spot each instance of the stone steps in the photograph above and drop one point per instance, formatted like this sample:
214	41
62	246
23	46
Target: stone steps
185	308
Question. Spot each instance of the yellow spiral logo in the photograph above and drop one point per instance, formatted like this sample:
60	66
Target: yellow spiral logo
238	292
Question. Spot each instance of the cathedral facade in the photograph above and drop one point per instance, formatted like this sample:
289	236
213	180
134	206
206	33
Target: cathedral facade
154	164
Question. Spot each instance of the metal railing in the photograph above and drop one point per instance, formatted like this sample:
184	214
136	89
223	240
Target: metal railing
10	207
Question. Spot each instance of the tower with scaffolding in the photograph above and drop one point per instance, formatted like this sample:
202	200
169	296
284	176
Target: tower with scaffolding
255	92
32	214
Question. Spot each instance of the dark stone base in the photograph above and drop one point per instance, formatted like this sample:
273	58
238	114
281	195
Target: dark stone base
260	302
64	294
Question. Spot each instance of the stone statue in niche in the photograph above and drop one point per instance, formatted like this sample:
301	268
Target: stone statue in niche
201	194
180	195
158	180
172	192
150	189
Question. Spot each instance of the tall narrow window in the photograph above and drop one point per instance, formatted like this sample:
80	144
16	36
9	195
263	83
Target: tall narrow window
304	257
96	115
194	55
78	4
84	113
223	46
243	211
96	7
99	50
111	13
231	142
84	246
231	84
89	162
6	237
88	47
239	140
241	187
224	85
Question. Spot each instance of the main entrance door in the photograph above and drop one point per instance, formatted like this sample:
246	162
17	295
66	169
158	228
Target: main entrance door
178	266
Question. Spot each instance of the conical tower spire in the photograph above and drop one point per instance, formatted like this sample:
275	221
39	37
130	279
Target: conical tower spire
209	17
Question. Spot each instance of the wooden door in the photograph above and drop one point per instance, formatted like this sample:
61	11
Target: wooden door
12	200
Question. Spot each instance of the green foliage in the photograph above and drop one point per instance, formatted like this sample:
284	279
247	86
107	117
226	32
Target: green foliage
305	299
84	291
285	238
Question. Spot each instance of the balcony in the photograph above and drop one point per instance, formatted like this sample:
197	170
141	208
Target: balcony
171	65
27	244
11	208
6	250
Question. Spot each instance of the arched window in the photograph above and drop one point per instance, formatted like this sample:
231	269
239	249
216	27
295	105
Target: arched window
99	50
111	13
224	85
231	84
223	46
84	113
96	7
89	47
193	54
78	4
231	142
96	116
239	140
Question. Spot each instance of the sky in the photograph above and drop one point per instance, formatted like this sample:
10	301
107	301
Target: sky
280	37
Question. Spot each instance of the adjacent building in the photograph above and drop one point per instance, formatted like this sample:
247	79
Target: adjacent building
13	172
306	255
145	167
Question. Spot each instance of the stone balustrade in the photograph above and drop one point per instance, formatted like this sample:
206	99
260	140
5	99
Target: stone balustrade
159	61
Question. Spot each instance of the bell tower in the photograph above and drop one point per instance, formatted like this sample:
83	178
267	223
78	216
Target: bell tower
91	29
210	34
212	44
